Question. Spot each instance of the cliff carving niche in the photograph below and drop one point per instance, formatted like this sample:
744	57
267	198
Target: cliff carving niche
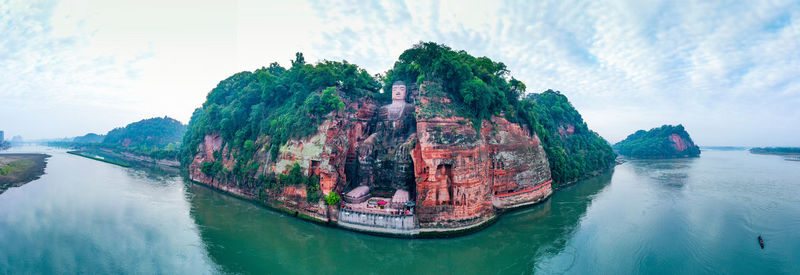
444	176
384	156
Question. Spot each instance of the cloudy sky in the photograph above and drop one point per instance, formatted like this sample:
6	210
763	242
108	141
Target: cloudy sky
728	71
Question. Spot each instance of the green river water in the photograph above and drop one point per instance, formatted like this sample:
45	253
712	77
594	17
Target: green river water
688	216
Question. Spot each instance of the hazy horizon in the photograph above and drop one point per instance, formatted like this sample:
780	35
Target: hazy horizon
727	72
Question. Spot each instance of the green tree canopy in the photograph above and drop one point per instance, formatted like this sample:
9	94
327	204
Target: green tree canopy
656	143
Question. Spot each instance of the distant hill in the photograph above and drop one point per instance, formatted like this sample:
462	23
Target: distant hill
89	138
666	141
148	133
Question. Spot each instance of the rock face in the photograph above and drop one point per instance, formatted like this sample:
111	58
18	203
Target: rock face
679	143
460	171
459	176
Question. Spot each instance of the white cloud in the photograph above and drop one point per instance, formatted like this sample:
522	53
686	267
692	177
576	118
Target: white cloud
728	71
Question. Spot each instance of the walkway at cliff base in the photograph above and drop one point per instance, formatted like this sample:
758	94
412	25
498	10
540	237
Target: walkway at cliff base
393	216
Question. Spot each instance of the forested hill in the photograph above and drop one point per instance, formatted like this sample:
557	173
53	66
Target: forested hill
148	134
666	141
574	151
265	108
485	88
89	138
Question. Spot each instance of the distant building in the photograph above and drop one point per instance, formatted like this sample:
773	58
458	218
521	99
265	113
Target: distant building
1	137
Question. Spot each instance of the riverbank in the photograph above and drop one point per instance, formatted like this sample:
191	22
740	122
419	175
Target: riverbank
279	206
787	155
98	158
124	159
19	169
618	161
791	152
782	154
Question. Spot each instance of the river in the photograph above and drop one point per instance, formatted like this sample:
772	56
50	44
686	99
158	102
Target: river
694	216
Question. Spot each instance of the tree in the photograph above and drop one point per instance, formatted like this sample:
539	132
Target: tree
332	198
299	60
294	177
517	86
249	146
312	189
331	100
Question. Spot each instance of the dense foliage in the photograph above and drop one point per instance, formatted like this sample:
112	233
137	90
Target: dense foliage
572	149
332	198
484	88
295	177
148	133
776	150
480	84
158	137
656	143
267	107
263	109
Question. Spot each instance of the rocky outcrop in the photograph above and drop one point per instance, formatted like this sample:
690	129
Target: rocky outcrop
520	171
460	172
451	163
458	175
678	143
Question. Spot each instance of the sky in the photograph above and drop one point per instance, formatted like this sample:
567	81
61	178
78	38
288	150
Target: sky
728	71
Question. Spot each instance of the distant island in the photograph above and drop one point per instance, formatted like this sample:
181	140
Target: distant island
149	141
19	169
791	153
666	141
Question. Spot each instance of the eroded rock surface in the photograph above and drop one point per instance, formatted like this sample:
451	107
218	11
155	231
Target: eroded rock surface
459	176
460	171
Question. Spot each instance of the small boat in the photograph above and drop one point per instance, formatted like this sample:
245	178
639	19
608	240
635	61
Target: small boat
761	241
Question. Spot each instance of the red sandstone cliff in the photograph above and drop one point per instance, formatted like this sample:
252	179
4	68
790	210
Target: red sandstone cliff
461	172
678	143
458	176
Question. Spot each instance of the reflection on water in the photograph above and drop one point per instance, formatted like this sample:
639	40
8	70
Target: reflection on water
642	223
653	217
245	238
668	172
85	216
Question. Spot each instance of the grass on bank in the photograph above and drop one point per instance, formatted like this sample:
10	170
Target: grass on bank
16	166
79	153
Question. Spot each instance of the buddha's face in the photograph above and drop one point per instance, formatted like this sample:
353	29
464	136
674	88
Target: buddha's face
398	92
